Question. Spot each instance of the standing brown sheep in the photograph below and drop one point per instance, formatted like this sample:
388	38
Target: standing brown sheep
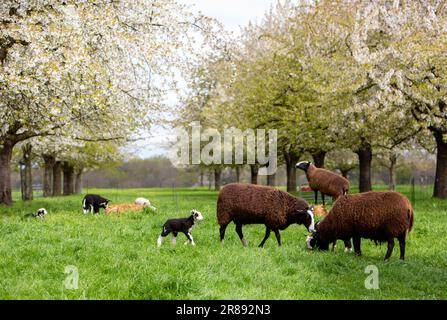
253	204
325	181
379	216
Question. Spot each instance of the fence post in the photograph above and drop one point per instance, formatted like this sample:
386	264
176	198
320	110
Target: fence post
413	196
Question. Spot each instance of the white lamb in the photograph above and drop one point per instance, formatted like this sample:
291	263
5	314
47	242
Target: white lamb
144	202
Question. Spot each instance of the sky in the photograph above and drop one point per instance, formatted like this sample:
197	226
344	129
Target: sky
233	14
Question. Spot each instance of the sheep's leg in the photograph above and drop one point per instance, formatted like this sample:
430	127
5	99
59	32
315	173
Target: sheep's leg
402	246
163	235
322	197
357	250
348	245
174	238
267	235
241	235
190	238
316	196
222	233
390	249
278	237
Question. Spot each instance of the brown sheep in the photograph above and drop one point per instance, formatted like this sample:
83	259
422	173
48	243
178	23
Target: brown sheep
325	181
379	216
251	204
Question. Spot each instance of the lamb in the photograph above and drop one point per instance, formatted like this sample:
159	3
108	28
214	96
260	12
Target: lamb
41	213
93	202
379	216
144	202
253	204
120	208
325	181
180	225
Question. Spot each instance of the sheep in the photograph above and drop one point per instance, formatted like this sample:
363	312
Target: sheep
120	208
325	181
41	213
379	216
94	202
180	225
321	211
252	204
144	202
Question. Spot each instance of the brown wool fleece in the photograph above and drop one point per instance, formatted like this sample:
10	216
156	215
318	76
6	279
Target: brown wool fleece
253	204
378	216
327	182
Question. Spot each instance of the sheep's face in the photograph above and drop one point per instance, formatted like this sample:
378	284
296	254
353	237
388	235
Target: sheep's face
197	215
104	204
303	165
309	221
310	242
42	213
314	242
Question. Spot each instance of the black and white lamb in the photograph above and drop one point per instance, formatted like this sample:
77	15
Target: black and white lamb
175	226
94	202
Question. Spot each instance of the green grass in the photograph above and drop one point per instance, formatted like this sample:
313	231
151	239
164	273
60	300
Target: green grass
117	257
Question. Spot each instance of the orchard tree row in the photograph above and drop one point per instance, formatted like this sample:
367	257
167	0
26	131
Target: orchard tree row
368	76
78	79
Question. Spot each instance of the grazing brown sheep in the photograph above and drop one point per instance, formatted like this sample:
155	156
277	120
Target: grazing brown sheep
252	204
325	181
379	216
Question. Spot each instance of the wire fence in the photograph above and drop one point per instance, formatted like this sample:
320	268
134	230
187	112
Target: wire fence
417	189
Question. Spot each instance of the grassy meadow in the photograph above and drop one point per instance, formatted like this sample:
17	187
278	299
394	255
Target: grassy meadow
117	258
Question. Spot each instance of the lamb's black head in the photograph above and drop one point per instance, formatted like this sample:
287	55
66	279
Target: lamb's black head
104	204
303	165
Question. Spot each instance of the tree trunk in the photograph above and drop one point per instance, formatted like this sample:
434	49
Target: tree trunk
78	182
26	175
271	180
440	189
57	179
210	180
201	178
22	179
238	174
319	159
217	178
365	159
5	173
291	161
254	169
392	173
48	175
68	171
345	173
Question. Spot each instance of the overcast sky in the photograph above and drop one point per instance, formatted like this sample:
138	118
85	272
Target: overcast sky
233	14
